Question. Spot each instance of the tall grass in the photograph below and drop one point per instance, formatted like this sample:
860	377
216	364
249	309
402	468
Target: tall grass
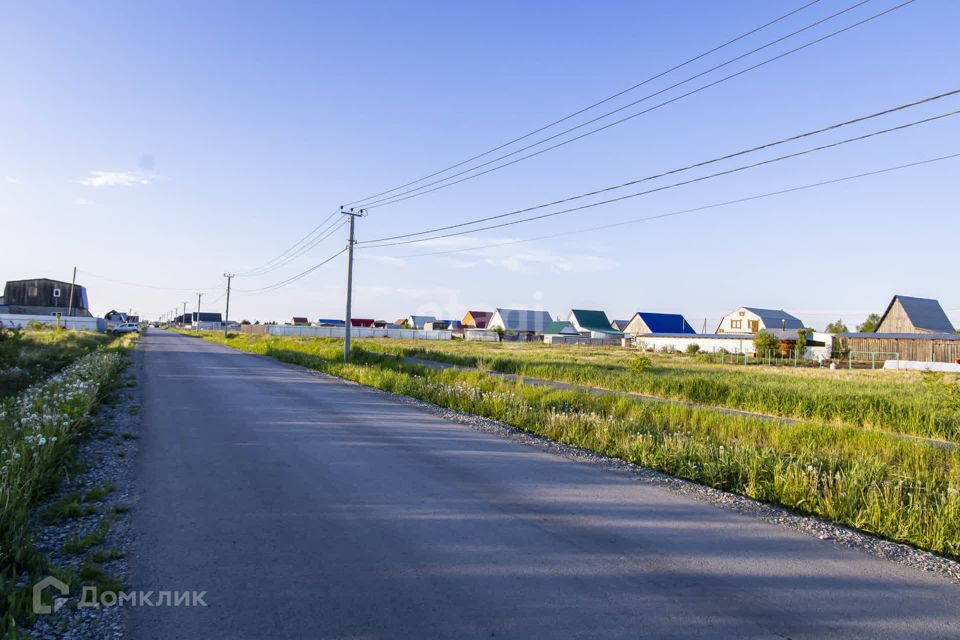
39	430
879	400
29	356
902	490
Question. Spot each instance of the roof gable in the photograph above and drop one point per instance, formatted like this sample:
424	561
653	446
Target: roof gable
560	327
523	319
665	322
924	313
591	320
776	318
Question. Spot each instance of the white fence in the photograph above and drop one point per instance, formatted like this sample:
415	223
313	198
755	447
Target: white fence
356	332
77	323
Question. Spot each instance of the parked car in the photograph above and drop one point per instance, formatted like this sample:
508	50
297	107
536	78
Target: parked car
126	327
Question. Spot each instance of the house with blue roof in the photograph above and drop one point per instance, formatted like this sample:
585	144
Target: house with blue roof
906	314
645	323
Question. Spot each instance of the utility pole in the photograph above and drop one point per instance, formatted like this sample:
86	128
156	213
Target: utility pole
226	317
72	283
350	242
183	318
199	295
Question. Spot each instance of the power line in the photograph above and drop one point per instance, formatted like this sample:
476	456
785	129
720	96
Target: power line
728	156
291	280
679	184
592	106
670	214
306	248
424	189
284	257
141	285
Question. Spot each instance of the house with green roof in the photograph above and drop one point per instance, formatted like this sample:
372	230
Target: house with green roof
560	328
594	324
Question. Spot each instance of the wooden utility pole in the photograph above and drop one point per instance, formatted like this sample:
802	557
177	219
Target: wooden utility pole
199	295
72	283
350	242
226	317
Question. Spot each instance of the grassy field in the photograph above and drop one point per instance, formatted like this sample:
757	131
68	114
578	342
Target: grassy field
904	490
29	356
39	430
901	403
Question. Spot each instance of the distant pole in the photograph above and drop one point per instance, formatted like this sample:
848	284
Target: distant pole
350	242
72	283
183	318
226	317
199	295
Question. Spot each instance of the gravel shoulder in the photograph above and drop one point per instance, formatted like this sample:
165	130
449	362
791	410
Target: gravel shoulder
107	459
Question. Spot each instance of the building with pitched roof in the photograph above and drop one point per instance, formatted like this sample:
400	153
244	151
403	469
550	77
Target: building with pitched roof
520	321
754	320
477	319
906	314
592	323
646	323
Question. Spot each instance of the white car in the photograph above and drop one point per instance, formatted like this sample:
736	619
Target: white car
126	327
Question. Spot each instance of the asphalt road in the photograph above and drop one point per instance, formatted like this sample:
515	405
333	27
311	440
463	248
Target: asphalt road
310	508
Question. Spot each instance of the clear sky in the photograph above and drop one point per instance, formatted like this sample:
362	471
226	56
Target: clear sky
162	144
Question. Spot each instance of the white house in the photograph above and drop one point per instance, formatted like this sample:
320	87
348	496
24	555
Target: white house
753	320
525	321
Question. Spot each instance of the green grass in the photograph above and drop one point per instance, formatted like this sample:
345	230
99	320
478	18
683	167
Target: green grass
896	402
899	489
40	429
77	544
29	356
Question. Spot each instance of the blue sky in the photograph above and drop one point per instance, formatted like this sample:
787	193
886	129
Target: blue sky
163	144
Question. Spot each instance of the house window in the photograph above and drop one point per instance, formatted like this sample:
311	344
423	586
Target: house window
32	291
736	324
56	293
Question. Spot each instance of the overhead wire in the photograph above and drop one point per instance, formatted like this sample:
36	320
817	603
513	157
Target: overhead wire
715	205
423	190
677	184
292	279
306	248
688	167
284	257
593	105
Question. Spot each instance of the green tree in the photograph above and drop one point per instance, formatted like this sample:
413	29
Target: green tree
765	342
837	327
870	324
801	340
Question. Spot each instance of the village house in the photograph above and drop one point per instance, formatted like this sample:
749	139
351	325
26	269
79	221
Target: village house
476	319
593	324
754	320
906	314
44	297
646	323
418	322
519	321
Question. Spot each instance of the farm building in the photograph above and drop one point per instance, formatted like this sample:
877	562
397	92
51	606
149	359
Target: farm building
300	321
519	321
593	324
437	325
645	323
619	325
418	322
754	320
906	314
44	297
477	319
919	347
361	322
330	322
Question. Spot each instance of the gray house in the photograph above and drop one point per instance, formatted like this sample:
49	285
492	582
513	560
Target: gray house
43	297
520	321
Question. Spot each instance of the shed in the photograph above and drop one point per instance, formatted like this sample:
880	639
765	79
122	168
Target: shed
755	319
300	321
906	314
646	323
526	321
